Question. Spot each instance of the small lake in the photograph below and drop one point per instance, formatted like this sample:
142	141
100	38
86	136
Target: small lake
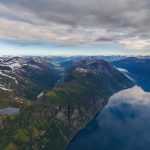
124	124
9	111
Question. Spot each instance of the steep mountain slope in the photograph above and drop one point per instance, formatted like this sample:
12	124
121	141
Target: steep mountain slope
52	121
139	70
88	87
26	77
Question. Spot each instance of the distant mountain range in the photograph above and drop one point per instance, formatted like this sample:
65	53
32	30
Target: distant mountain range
138	69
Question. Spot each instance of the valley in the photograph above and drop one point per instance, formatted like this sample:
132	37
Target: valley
73	92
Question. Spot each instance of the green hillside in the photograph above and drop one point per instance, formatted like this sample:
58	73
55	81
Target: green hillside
51	122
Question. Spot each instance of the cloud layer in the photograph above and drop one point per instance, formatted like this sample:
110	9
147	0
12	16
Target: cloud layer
79	23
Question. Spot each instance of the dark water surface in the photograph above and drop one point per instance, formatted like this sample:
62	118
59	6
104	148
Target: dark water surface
124	124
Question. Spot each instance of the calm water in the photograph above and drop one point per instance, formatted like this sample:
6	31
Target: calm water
9	111
124	124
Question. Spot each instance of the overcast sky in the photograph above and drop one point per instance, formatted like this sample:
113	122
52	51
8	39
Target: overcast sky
72	27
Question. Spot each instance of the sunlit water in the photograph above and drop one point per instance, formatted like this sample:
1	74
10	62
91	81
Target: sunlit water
124	124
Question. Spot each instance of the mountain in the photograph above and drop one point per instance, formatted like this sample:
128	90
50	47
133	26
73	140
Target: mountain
26	77
88	87
53	120
138	69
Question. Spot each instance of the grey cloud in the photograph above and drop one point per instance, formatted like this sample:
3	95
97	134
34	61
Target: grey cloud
129	17
104	39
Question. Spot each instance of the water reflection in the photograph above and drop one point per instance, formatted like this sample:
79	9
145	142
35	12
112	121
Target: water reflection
124	124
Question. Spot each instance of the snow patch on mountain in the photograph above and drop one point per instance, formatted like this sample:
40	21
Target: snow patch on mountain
123	70
82	70
3	88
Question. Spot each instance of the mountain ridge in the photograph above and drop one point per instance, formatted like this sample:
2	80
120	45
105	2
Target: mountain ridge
139	70
54	119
